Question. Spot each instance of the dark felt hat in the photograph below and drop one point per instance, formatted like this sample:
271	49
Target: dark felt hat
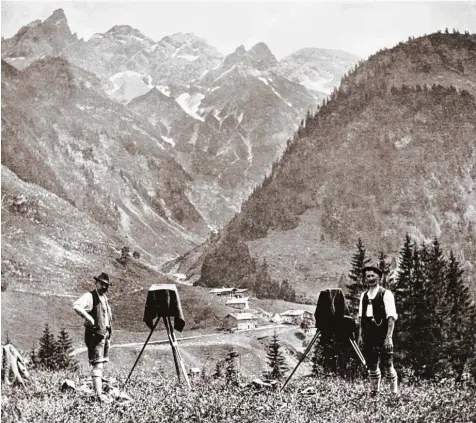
103	277
374	269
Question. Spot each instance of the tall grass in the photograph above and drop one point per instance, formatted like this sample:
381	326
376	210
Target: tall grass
161	399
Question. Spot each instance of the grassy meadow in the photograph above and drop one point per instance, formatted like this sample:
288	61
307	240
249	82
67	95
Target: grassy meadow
161	399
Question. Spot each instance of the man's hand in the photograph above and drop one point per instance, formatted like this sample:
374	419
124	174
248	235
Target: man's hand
388	344
90	321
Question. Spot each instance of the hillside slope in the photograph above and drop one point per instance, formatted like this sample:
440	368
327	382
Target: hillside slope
392	152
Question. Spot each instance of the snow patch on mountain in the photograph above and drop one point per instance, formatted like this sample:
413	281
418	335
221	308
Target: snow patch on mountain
280	96
128	85
169	140
164	89
190	104
188	57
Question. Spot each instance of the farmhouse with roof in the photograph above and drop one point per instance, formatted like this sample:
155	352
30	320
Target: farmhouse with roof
238	303
228	292
296	317
240	321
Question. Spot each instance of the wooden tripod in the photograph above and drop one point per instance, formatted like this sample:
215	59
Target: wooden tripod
316	336
179	366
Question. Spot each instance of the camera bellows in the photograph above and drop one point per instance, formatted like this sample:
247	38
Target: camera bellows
163	301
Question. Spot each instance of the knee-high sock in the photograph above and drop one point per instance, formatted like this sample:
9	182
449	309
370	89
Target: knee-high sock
96	375
391	376
375	376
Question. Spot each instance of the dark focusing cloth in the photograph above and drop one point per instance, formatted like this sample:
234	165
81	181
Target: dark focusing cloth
332	315
163	301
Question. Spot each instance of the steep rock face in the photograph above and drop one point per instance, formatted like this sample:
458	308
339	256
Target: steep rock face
392	152
59	134
39	39
237	112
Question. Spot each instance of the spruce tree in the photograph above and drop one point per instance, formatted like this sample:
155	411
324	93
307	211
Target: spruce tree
47	352
384	266
275	359
64	348
355	286
232	368
417	338
459	317
435	280
286	292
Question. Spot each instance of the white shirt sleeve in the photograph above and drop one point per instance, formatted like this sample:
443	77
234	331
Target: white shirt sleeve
360	303
389	303
84	302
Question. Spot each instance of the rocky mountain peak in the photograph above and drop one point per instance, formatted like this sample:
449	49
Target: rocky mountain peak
58	16
261	56
125	30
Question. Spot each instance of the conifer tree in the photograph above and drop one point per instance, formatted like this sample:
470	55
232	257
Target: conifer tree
286	292
232	370
384	266
416	337
47	352
64	348
435	273
275	358
459	317
355	286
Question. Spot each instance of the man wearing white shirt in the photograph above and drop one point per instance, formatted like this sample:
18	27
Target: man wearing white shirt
94	308
377	315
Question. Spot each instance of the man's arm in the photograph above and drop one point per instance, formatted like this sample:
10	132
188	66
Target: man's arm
81	306
388	343
391	325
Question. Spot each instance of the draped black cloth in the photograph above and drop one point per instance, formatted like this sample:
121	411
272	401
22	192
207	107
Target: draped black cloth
332	315
163	301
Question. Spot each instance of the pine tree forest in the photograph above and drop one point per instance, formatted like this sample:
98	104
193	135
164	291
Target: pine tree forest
435	331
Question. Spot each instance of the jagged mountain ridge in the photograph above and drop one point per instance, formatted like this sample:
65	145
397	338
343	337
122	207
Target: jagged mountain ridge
392	152
59	134
246	122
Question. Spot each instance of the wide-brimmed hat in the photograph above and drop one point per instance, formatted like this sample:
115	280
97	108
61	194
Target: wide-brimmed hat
374	269
104	278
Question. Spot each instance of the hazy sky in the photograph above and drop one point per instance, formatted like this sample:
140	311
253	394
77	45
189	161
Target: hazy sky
357	27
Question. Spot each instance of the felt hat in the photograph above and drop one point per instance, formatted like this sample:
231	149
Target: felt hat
374	269
103	277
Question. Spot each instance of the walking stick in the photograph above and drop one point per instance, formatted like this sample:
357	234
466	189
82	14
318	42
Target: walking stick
142	350
302	358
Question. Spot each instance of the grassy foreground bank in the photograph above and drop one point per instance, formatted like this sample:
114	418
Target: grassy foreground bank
159	399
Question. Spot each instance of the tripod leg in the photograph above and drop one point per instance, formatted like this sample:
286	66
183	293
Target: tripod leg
358	352
143	348
179	356
174	352
302	359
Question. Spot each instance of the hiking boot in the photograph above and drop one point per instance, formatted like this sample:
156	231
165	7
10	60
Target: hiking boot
373	394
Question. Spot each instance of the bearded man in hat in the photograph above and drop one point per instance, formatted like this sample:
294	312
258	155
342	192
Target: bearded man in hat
377	315
94	308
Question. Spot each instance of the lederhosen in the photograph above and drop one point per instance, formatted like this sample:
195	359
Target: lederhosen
97	337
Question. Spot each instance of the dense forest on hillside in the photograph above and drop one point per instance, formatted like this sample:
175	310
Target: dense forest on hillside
391	151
